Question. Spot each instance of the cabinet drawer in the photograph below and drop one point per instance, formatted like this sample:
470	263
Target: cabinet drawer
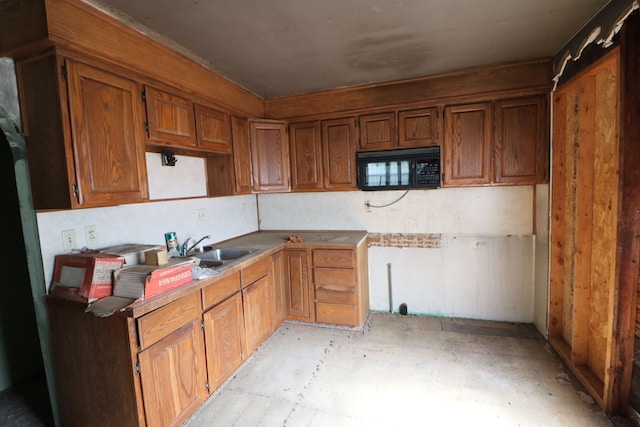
220	290
336	294
335	258
337	314
161	322
256	270
333	277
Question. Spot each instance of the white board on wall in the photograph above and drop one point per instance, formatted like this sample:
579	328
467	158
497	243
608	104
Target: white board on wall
188	178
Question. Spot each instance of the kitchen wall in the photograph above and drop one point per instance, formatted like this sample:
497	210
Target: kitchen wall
224	217
464	252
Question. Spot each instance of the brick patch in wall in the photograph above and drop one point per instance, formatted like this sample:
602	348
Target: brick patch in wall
404	240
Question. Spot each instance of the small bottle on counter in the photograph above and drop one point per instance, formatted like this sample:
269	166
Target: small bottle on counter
172	243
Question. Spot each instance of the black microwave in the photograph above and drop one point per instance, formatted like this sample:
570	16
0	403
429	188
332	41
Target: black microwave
399	169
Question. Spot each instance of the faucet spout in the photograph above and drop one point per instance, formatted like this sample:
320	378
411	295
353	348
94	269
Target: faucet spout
186	250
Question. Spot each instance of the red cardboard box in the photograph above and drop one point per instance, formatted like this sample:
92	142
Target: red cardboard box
90	275
146	281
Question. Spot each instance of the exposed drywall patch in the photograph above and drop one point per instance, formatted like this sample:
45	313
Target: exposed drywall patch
404	240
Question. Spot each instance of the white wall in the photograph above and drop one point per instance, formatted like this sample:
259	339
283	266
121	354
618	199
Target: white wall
224	217
482	267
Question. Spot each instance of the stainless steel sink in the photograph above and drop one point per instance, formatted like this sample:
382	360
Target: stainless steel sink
216	257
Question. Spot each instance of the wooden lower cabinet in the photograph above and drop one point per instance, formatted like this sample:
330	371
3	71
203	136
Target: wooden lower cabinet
297	289
173	376
258	323
154	366
326	284
224	337
340	285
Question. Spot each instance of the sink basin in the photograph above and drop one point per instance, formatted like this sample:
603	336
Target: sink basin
223	254
210	263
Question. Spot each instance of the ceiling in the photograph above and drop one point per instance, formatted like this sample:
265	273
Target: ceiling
284	47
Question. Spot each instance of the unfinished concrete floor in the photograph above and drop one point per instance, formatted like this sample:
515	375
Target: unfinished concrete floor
403	370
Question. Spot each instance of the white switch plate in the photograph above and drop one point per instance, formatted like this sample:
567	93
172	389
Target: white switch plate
69	240
200	213
91	235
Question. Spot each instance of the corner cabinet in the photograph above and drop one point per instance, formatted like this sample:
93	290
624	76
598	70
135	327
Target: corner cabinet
84	129
269	156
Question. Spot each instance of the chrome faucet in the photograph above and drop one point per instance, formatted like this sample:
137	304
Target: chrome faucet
185	250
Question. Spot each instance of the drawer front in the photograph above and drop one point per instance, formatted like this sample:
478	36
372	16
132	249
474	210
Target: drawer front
158	324
220	290
256	271
337	314
336	294
333	277
334	258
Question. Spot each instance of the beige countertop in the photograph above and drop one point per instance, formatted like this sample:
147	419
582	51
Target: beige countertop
263	243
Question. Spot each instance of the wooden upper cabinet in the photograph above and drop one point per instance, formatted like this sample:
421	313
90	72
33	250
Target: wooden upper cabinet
378	131
521	141
241	155
339	154
467	144
418	127
305	149
213	130
106	127
269	155
170	119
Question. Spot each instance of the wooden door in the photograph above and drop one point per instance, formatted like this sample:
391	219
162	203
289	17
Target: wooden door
306	156
106	127
224	333
258	313
339	154
170	119
269	155
521	141
467	144
241	155
378	131
296	279
418	127
213	130
173	376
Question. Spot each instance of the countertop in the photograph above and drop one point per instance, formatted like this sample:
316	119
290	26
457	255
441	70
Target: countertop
263	243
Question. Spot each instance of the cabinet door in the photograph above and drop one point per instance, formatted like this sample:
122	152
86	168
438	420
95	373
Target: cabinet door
339	154
467	144
224	334
106	127
258	313
170	119
213	130
278	276
296	279
418	128
269	155
241	155
378	131
173	376
306	156
521	141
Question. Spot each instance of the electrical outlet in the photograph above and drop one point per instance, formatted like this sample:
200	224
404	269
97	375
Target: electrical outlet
200	213
367	206
91	235
69	240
